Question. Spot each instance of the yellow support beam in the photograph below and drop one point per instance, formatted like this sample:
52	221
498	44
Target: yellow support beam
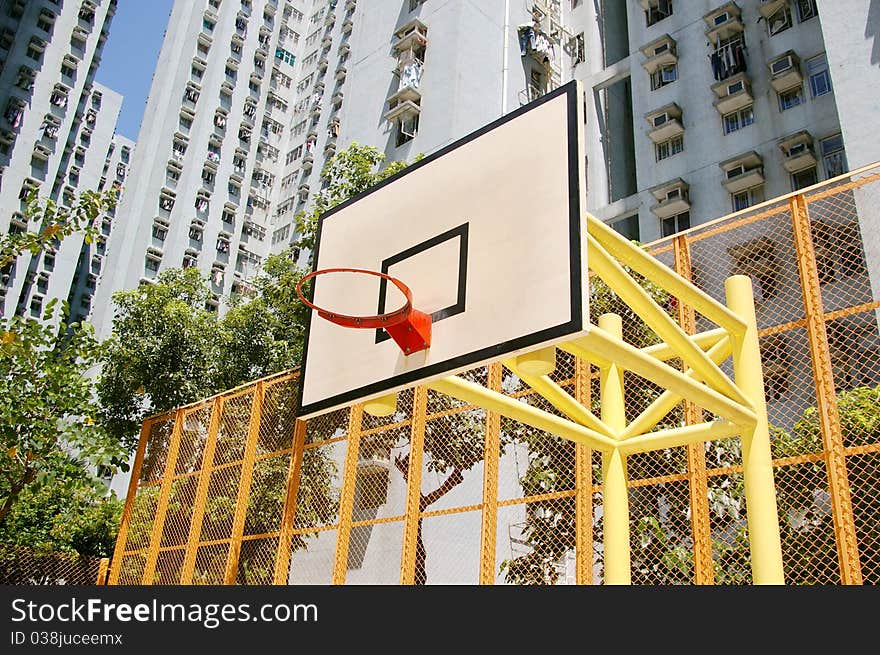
494	401
664	403
413	513
643	263
633	359
658	320
681	436
557	396
583	476
761	511
491	455
615	488
704	340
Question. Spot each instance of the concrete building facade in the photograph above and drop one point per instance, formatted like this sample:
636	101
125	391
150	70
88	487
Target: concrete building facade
55	132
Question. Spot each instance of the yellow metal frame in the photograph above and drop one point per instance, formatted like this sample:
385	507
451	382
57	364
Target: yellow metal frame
738	403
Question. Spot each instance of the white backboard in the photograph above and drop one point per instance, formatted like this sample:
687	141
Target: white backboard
488	235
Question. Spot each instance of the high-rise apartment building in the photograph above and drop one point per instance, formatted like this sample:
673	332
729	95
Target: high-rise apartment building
693	110
56	130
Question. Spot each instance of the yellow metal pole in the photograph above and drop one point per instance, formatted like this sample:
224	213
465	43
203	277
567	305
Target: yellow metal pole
763	520
285	535
698	481
244	486
382	406
346	495
826	397
538	362
101	579
195	524
162	502
491	455
664	403
122	535
561	400
680	436
511	408
615	493
643	263
658	320
704	340
412	515
633	359
583	480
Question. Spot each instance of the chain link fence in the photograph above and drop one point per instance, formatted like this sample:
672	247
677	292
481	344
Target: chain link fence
235	490
20	565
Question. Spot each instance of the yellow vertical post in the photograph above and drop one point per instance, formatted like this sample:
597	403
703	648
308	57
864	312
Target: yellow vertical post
763	520
244	486
346	496
122	535
101	579
491	455
826	397
412	515
583	481
162	502
615	489
698	481
201	499
285	535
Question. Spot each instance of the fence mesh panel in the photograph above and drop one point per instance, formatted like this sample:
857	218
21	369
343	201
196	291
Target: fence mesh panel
524	512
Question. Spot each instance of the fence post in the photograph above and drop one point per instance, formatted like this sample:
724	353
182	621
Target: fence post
195	524
583	476
826	397
122	535
162	502
285	536
244	486
346	496
412	515
698	482
491	454
103	565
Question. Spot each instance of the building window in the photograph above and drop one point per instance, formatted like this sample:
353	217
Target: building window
791	98
758	260
627	227
664	75
738	119
747	198
780	21
407	129
806	10
669	148
804	178
820	78
657	10
833	156
160	230
776	362
580	49
674	224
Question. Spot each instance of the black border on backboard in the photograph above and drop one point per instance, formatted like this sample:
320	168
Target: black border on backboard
575	324
461	284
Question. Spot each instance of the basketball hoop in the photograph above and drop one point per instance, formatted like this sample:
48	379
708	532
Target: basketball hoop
410	328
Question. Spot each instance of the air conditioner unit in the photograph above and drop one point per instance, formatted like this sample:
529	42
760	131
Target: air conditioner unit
660	119
781	65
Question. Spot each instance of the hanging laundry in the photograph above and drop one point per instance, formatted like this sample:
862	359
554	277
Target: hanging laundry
410	76
526	38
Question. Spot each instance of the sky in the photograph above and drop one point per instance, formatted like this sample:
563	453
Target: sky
130	55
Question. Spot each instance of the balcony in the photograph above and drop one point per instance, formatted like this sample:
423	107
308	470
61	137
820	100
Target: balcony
785	72
659	53
347	26
672	198
341	72
769	7
724	22
797	150
742	172
327	41
405	93
734	93
412	34
665	123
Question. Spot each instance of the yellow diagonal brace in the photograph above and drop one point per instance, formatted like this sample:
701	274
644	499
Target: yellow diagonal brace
674	437
494	401
557	396
664	403
667	329
642	262
633	359
704	340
